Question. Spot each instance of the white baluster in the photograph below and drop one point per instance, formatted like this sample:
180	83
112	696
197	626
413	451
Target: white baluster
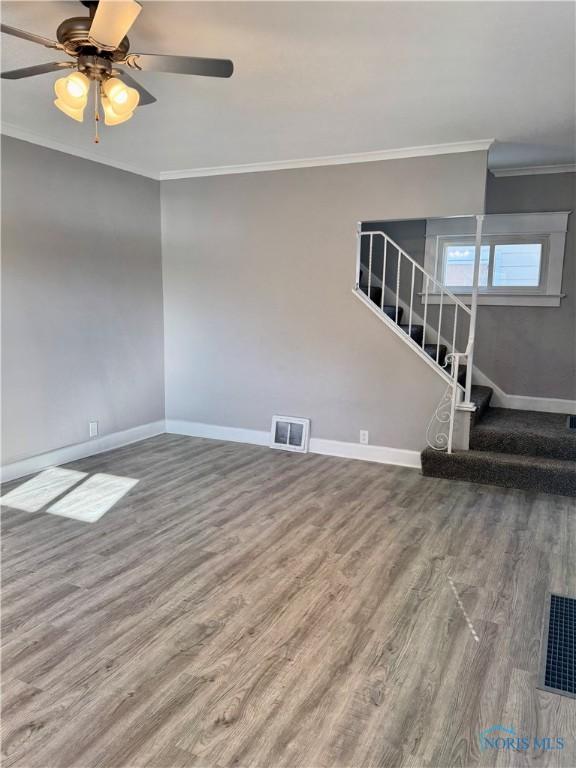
358	254
425	310
439	324
455	325
398	282
474	306
382	302
411	298
370	268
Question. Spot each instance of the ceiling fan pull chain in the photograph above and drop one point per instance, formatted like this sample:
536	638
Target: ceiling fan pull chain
97	87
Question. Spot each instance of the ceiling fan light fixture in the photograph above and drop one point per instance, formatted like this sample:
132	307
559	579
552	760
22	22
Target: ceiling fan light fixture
111	117
97	43
122	99
73	90
75	114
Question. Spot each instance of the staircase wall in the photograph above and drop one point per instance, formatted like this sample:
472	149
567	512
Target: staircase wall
259	312
532	350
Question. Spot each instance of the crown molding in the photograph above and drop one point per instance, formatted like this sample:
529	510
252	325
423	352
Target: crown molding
276	165
313	162
94	155
533	170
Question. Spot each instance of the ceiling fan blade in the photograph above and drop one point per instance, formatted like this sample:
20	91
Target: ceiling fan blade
39	69
112	20
45	41
181	65
145	96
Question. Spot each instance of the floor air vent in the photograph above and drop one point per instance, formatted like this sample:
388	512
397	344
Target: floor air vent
558	665
290	433
571	422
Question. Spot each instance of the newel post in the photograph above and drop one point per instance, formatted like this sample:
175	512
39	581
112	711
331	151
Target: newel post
474	306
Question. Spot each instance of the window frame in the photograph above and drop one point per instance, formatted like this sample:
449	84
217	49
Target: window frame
549	229
492	241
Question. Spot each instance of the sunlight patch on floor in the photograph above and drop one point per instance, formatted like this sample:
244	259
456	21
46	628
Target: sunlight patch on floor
93	498
34	494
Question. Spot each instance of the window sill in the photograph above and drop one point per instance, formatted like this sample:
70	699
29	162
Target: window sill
502	299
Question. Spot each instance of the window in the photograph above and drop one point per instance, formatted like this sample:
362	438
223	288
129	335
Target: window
517	264
459	265
521	258
505	263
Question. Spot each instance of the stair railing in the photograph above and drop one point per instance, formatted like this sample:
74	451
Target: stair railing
408	269
431	286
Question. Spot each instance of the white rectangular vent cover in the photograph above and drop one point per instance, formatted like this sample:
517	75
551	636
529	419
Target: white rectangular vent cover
290	433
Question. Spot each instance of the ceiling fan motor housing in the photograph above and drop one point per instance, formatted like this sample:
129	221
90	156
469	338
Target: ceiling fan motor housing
74	35
95	67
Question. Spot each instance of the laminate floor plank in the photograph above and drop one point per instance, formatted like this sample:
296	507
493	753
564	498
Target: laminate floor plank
248	608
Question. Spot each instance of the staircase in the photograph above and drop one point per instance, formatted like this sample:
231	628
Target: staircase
516	449
437	351
528	450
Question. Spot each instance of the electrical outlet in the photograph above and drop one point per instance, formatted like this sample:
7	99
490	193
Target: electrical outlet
364	436
93	428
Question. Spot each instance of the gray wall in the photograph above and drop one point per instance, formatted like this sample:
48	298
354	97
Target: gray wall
532	350
259	314
82	325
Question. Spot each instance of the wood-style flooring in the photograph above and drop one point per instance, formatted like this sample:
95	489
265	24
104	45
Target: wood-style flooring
249	607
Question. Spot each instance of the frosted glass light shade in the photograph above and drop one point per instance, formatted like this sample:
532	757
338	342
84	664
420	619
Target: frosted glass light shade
75	114
73	90
123	100
111	117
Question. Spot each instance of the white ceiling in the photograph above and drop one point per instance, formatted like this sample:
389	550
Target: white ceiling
317	79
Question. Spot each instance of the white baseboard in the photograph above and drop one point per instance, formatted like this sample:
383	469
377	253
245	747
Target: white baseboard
381	454
215	432
543	404
501	399
378	453
80	450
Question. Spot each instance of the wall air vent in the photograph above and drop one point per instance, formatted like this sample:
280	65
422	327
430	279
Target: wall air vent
571	422
290	433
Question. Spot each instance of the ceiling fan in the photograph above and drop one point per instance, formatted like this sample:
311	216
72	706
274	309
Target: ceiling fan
98	45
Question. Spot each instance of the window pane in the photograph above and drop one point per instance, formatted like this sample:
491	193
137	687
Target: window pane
459	265
517	264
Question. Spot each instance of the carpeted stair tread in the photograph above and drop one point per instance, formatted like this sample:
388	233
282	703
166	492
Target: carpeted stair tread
375	293
390	310
530	473
416	331
376	298
481	397
529	433
430	349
